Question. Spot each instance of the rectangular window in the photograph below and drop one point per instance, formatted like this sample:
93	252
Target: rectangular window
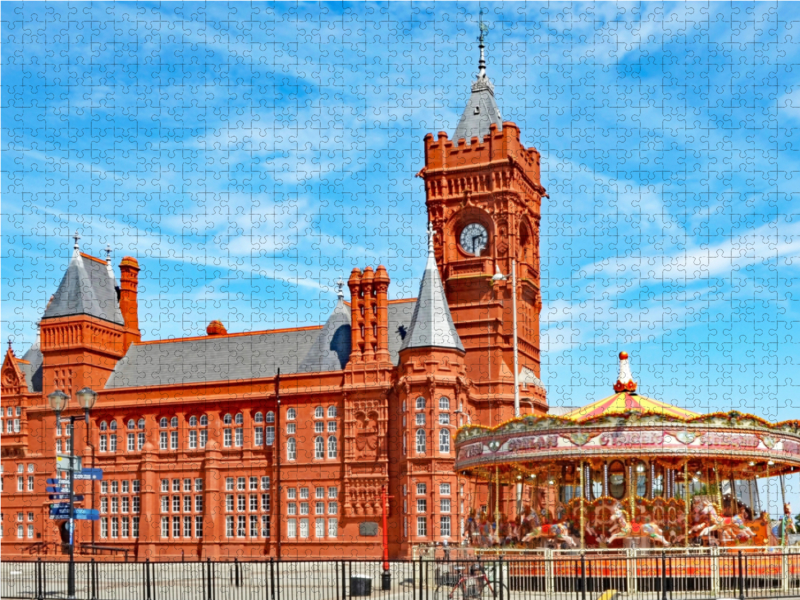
254	483
187	504
444	489
139	440
303	493
203	437
419	418
125	504
162	440
229	527
291	428
239	437
422	489
265	505
291	528
333	526
259	437
135	527
319	492
241	526
331	426
265	483
332	492
126	526
265	526
113	442
136	504
444	418
319	427
58	445
319	508
114	487
30	527
176	527
303	529
114	505
445	526
103	505
304	508
176	504
240	503
198	504
198	527
319	528
422	505
187	527
30	483
193	439
291	493
173	436
229	484
104	527
444	505
270	435
253	526
333	508
165	485
240	484
131	442
164	527
125	486
253	502
291	508
227	440
21	530
103	443
187	485
422	526
229	502
114	527
198	485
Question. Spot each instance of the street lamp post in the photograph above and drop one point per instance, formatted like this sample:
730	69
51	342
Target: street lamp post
498	276
58	402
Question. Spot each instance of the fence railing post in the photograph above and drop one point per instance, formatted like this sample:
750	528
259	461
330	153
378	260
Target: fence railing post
549	579
741	576
92	575
271	578
236	572
715	584
785	570
38	576
583	576
663	575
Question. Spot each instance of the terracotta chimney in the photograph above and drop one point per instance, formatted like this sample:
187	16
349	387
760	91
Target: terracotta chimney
128	302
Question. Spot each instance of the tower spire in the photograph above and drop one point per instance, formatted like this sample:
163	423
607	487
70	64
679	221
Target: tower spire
481	39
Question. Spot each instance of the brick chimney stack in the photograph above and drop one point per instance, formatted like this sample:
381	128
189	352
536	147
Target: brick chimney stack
128	301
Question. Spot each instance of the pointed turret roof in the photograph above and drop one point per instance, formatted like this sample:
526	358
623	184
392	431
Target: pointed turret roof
481	110
87	288
432	325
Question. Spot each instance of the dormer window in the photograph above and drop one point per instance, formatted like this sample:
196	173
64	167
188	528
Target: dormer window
477	110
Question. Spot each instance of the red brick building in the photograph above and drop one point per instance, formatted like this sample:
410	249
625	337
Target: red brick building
199	457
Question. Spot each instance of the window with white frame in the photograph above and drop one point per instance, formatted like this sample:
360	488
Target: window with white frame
319	447
331	426
319	413
333	451
291	449
444	441
445	526
422	489
270	417
291	528
291	414
331	412
333	527
444	403
420	404
421	441
422	526
444	489
270	435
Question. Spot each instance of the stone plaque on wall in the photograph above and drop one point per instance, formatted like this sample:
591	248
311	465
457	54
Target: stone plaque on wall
367	528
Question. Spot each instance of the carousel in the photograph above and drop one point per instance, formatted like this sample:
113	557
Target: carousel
626	471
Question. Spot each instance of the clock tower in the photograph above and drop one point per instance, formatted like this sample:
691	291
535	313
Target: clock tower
483	194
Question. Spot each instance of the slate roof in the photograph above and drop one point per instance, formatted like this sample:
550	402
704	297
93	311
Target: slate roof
481	111
33	370
252	356
87	288
431	324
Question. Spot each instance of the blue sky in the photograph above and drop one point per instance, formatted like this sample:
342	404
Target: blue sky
250	154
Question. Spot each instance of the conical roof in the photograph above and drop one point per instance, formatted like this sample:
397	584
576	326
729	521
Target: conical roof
331	350
431	325
481	110
87	288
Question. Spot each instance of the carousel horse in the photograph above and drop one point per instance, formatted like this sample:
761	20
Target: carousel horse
558	532
786	525
621	529
730	526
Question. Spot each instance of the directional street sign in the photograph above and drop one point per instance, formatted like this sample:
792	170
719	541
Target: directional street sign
61	489
62	496
89	474
61	482
68	463
81	514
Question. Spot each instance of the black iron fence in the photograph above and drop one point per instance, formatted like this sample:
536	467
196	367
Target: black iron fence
664	576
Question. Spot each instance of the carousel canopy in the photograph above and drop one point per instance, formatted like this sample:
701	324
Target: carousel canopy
627	402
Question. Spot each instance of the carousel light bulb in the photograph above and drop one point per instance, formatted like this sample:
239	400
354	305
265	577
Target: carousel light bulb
533	475
771	462
752	463
640	468
519	477
695	479
551	481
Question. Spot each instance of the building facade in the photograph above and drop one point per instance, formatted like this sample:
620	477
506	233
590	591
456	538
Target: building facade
280	443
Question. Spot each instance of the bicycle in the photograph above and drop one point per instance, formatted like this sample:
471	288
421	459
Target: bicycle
472	586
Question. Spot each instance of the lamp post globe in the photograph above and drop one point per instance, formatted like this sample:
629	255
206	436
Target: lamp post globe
86	399
58	402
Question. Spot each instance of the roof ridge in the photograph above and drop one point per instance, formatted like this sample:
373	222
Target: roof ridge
228	335
94	258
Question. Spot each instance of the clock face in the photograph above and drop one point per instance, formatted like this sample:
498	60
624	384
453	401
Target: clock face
474	238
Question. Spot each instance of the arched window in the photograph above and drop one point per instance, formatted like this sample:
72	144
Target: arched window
319	413
270	417
141	423
444	403
319	447
192	421
227	419
291	414
291	449
131	424
420	403
331	412
332	447
173	422
259	417
204	421
420	441
163	422
444	441
239	418
113	425
103	426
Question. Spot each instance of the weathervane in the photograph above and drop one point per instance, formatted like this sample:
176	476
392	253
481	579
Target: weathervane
340	288
77	236
481	39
